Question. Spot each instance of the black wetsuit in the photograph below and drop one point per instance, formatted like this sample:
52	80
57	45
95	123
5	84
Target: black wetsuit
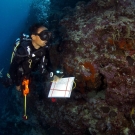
24	62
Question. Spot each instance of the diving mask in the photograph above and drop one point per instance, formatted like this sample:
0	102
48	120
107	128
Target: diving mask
44	35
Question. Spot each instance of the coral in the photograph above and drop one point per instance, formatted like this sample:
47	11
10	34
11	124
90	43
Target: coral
88	71
126	44
41	10
100	41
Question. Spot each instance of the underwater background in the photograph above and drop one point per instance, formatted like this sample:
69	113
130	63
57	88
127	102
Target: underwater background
93	41
14	16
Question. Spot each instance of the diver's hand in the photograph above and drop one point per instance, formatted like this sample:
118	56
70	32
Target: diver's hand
18	88
55	78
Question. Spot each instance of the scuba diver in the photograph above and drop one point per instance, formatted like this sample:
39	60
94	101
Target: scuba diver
29	55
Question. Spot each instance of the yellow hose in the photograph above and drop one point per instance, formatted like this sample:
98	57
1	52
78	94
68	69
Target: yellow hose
74	85
25	106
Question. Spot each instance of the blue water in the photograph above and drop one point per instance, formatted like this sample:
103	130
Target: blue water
13	18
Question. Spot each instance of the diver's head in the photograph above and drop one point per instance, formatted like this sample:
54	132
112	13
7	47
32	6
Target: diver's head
39	35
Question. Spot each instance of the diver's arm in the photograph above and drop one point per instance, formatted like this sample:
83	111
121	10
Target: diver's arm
54	74
14	66
13	72
49	66
46	65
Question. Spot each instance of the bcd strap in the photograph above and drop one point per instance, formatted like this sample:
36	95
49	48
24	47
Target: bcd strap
14	51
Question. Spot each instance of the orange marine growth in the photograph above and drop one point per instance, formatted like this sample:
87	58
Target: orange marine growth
26	86
123	43
126	44
111	41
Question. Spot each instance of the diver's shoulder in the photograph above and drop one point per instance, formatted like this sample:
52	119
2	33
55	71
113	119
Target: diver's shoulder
26	43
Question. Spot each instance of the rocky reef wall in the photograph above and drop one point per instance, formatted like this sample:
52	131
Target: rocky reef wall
97	47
